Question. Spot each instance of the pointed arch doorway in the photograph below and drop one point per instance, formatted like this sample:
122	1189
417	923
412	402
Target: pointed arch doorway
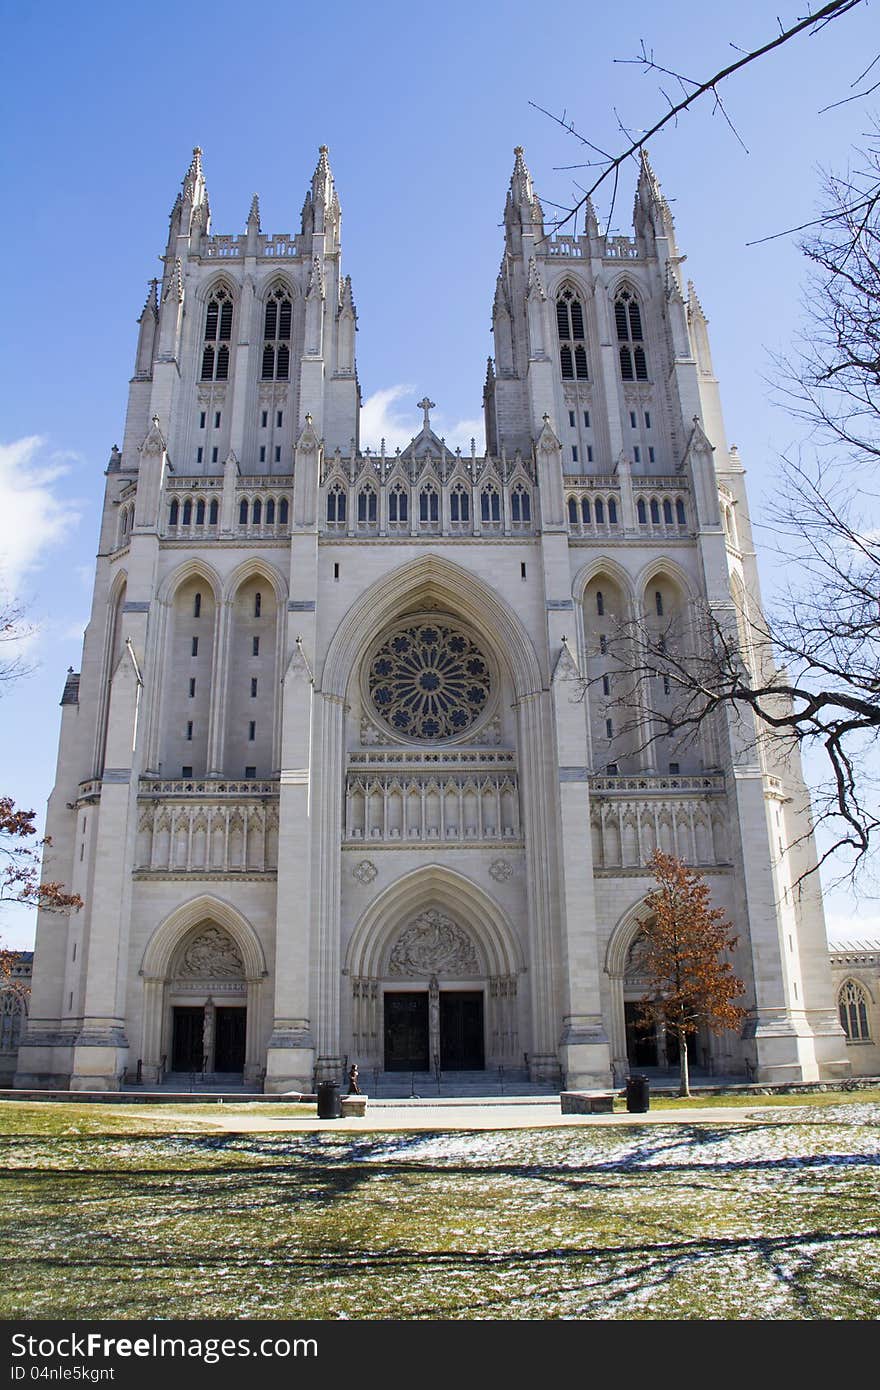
434	973
434	1025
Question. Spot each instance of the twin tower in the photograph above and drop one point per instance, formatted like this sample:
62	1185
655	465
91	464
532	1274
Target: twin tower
344	775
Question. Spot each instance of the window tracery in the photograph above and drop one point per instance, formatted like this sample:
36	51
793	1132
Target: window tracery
429	681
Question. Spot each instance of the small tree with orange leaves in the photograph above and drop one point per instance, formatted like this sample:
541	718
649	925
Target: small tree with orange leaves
20	853
683	962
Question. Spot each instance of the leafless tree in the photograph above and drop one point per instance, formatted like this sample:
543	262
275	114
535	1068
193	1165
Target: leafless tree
14	628
810	670
603	167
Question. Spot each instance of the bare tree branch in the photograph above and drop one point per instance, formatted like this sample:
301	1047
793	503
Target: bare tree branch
693	91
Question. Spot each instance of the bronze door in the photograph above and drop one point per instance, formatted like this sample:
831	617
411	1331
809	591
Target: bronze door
187	1040
406	1032
461	1031
229	1044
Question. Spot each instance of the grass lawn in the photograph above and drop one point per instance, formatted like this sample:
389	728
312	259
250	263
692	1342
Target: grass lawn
110	1212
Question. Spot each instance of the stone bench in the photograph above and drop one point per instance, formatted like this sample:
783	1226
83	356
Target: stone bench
353	1106
587	1102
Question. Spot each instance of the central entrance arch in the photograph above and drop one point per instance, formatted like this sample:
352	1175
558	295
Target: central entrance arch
434	971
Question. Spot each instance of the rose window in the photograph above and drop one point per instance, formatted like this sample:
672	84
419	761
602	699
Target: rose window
429	681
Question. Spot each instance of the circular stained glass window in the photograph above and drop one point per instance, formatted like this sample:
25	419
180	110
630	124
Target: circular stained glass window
429	681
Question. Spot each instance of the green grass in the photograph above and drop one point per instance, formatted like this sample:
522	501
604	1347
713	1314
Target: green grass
754	1102
62	1118
764	1218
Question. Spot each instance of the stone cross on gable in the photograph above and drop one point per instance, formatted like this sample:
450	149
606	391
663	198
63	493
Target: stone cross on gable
427	406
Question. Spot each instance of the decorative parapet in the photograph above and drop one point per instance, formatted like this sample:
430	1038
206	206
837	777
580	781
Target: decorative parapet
207	828
206	786
630	817
421	806
226	248
440	758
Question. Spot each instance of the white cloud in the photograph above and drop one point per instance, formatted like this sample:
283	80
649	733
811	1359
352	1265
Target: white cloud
33	519
384	416
858	925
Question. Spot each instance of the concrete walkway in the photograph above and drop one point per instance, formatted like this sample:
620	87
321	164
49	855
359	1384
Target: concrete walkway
423	1115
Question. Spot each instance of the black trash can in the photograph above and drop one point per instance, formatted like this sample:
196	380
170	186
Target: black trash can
638	1094
329	1101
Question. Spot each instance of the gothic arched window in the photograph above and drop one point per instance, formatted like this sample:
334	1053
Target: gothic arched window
520	506
667	512
459	504
572	511
336	506
655	512
218	332
367	507
173	512
490	505
641	512
429	506
243	512
570	326
628	318
276	335
600	511
270	512
200	512
585	510
257	515
398	504
852	1004
679	513
283	511
187	512
214	512
612	512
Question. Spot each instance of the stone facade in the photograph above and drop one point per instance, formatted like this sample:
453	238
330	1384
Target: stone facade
855	973
15	993
329	782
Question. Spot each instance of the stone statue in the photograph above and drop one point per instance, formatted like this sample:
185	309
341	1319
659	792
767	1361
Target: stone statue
353	1087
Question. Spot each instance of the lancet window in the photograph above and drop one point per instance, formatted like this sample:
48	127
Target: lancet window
367	507
429	507
276	336
336	506
570	326
218	332
630	337
398	505
520	506
852	1004
459	505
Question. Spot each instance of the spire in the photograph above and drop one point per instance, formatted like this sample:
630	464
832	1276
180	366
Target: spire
591	221
152	300
652	209
195	209
147	326
522	205
194	179
698	325
346	298
325	204
252	230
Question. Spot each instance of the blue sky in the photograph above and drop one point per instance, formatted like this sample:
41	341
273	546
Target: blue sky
421	108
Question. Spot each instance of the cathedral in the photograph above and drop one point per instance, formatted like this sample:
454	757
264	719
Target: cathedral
343	777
